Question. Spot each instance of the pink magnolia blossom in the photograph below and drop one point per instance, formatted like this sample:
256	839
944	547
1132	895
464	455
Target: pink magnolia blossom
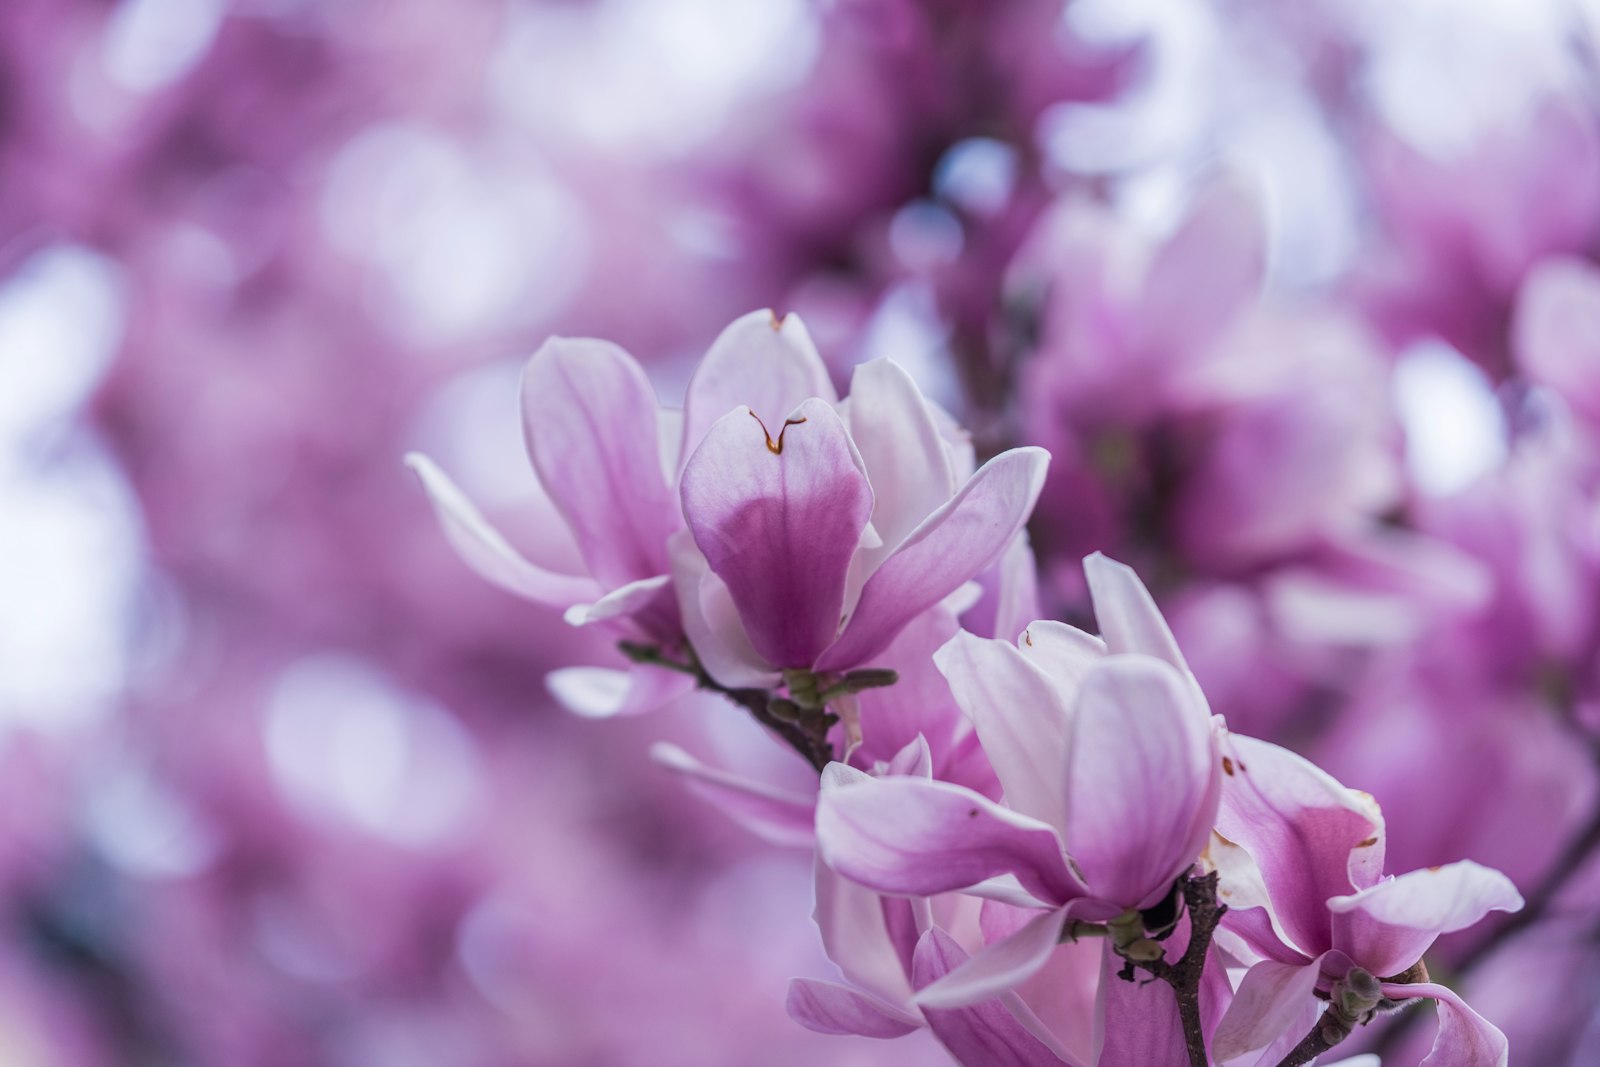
1301	859
1107	757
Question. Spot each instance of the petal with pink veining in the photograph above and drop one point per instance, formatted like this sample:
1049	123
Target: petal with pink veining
1270	1000
1021	720
960	540
1465	1038
1387	927
761	362
1000	966
900	444
1142	768
990	1034
590	420
829	1008
912	836
483	549
778	511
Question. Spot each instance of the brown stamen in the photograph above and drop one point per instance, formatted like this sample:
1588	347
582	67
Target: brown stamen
775	447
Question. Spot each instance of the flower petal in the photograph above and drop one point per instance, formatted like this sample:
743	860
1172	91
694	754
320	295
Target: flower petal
1140	1026
990	1034
589	416
829	1008
603	693
1303	829
1141	783
956	542
1127	613
711	622
1021	720
906	462
1465	1038
761	362
620	602
1000	966
911	836
1064	653
483	549
1387	927
1271	999
779	817
856	935
778	511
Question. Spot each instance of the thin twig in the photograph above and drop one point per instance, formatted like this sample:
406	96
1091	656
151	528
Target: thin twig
1184	976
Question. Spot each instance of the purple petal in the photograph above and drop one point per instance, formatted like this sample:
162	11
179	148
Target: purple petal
1018	592
761	362
776	816
1270	1000
1141	781
984	1035
1127	613
900	445
711	621
1303	829
589	416
1021	720
483	549
1000	966
1141	1026
1387	927
828	1008
778	512
1465	1038
911	836
961	539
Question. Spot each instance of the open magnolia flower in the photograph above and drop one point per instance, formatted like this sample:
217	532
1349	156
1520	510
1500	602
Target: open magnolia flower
1108	760
1301	859
781	530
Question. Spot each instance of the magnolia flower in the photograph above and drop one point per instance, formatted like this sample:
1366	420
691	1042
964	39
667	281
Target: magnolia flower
816	530
1301	859
815	536
1108	760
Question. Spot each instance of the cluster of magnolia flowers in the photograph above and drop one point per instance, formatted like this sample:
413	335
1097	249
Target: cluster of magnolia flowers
1039	844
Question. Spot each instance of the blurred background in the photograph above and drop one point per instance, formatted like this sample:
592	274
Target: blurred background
1303	298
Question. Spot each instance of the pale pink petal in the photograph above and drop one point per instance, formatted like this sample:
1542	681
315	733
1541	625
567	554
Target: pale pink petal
1465	1038
856	937
955	543
1000	966
761	362
589	416
1387	927
483	549
1021	721
1556	333
603	693
983	1035
1142	773
1139	1021
1270	1000
1064	653
778	511
711	622
1127	613
1018	589
621	602
899	442
829	1008
916	837
774	815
